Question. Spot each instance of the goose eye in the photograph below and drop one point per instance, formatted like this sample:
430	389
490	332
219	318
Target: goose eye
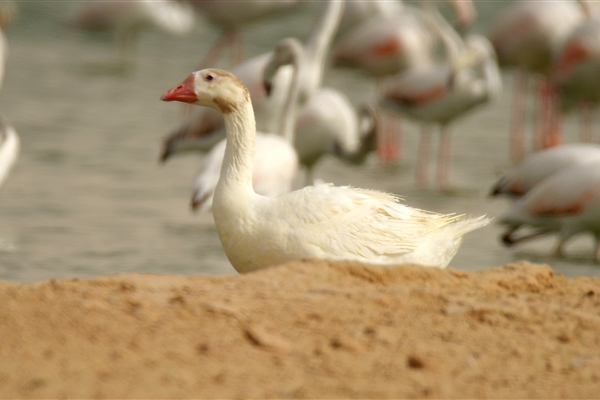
209	77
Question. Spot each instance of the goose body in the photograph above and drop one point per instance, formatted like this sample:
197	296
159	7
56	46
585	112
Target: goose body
321	221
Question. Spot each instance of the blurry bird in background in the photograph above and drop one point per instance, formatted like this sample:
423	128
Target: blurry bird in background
566	203
527	36
443	92
388	38
125	20
576	73
230	19
10	143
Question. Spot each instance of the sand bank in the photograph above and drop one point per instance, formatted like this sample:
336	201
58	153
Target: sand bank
305	329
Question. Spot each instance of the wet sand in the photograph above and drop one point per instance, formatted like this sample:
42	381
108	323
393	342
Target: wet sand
309	329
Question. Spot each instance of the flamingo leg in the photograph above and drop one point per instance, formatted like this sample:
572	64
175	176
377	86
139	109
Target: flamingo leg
443	171
518	120
540	122
388	136
585	114
423	156
547	123
309	178
554	135
597	249
559	249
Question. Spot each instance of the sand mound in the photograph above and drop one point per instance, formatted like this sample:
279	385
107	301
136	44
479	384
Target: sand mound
305	329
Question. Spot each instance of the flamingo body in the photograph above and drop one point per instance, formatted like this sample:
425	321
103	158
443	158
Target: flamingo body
527	34
435	94
567	203
275	167
386	45
576	68
442	93
127	18
327	119
227	17
538	166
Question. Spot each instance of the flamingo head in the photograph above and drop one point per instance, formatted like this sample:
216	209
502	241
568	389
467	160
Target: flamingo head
288	51
213	88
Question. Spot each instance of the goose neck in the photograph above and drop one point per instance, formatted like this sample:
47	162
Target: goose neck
238	161
289	112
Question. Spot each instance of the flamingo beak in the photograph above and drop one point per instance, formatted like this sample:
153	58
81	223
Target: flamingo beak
183	92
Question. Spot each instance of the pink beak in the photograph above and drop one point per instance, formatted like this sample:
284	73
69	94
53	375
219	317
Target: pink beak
183	92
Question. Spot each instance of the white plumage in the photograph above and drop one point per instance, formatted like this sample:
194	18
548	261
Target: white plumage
321	221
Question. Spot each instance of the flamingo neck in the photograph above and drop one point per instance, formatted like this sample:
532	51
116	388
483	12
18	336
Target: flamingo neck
318	45
287	122
238	161
451	40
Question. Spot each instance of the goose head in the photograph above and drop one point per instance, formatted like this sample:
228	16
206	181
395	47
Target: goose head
213	88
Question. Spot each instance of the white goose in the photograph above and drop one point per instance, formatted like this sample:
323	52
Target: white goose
321	221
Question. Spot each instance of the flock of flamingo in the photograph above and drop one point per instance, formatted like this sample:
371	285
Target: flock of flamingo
269	116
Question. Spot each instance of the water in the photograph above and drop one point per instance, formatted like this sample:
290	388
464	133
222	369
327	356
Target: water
89	198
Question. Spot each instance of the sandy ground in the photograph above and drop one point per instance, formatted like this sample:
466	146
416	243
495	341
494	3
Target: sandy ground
306	329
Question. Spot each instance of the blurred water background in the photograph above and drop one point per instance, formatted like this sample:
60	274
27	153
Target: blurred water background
88	196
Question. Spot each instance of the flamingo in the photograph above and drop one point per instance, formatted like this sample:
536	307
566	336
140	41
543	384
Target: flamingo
321	221
538	166
126	19
230	19
388	43
8	12
441	93
527	35
575	72
276	161
567	203
10	143
9	148
327	122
